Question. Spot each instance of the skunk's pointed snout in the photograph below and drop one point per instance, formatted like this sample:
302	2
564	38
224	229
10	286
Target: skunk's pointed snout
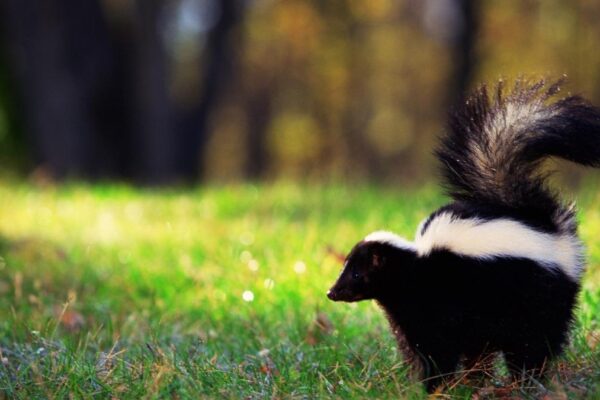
331	294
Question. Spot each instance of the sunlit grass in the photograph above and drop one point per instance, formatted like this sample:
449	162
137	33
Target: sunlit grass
220	292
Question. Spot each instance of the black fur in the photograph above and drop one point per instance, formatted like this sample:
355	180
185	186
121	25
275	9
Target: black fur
451	308
446	308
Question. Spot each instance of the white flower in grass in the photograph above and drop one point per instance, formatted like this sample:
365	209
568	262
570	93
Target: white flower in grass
264	353
248	296
299	267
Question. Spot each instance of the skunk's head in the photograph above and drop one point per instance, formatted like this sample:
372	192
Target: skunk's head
368	265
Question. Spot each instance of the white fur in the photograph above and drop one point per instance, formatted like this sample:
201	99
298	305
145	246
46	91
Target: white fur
494	238
391	239
504	128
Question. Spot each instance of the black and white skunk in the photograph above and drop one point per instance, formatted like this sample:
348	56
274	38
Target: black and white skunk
499	268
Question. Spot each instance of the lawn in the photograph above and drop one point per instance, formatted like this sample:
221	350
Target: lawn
109	291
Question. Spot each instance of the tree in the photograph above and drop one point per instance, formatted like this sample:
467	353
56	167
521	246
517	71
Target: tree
54	61
463	48
94	86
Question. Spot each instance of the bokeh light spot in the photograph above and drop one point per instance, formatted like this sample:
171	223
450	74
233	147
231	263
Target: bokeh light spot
248	296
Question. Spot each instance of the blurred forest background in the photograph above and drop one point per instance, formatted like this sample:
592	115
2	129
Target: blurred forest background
175	91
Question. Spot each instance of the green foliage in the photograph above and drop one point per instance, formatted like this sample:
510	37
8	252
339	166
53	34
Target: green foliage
108	291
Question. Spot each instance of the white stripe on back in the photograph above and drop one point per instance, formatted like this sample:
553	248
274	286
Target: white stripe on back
391	239
493	238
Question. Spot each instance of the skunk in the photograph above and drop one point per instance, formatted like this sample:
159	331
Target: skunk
499	268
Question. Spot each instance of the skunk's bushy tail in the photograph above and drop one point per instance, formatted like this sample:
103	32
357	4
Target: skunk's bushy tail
495	143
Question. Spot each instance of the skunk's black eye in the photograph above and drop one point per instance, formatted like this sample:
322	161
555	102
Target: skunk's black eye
355	276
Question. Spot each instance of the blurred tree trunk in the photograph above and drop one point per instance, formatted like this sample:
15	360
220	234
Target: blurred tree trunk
12	146
74	85
95	88
218	70
153	133
259	114
169	139
462	46
112	103
359	110
260	83
55	78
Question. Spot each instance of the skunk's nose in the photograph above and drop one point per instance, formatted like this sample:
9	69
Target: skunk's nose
331	295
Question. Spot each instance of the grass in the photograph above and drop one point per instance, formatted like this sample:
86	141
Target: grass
112	292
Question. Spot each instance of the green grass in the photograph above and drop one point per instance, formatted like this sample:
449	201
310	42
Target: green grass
108	291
